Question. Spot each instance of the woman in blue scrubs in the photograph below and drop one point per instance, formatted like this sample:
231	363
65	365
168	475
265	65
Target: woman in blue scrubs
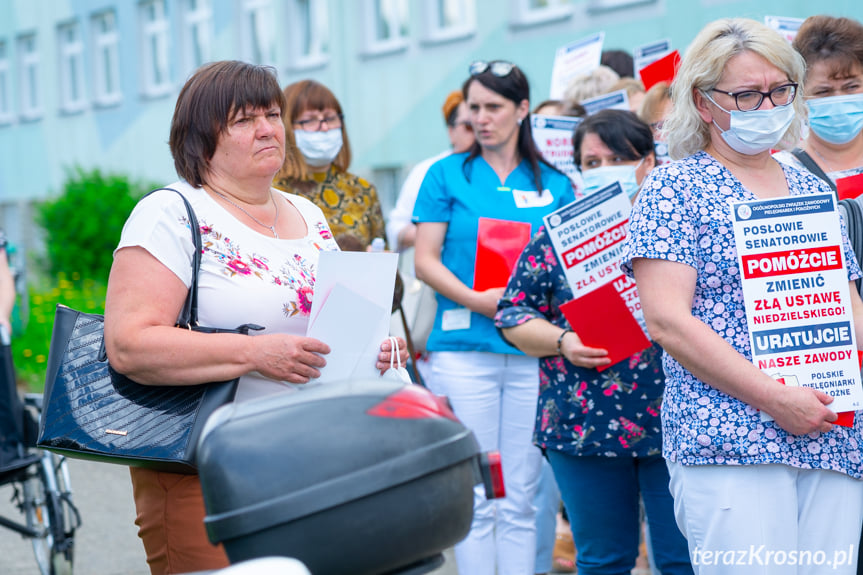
492	386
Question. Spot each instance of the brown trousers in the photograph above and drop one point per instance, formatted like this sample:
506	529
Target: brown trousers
170	520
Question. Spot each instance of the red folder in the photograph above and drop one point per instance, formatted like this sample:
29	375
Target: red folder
846	418
849	187
662	70
602	319
498	245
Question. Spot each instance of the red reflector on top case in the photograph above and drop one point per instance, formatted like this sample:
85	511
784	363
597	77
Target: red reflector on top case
413	402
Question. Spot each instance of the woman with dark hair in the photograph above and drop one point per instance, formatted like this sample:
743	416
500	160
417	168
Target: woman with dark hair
257	266
599	429
317	161
833	50
491	386
610	146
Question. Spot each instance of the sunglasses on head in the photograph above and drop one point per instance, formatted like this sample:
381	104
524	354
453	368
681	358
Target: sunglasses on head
499	68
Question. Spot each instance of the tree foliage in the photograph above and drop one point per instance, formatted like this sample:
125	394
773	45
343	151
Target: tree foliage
82	225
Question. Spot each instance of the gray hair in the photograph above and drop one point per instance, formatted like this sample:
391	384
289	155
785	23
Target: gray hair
702	67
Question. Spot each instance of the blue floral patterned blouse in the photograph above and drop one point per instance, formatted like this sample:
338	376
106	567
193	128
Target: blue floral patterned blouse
581	411
682	214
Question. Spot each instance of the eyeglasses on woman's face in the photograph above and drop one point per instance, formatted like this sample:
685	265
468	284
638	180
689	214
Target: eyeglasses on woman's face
499	68
315	123
748	100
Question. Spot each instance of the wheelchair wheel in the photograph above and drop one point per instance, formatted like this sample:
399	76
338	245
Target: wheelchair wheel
47	513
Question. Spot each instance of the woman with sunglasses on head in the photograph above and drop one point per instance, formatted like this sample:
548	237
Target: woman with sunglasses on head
599	429
787	483
833	50
317	161
491	385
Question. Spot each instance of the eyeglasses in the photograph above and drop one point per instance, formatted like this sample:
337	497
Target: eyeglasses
749	100
315	124
499	68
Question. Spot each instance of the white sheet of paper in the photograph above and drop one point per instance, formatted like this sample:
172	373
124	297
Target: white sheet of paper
368	275
343	324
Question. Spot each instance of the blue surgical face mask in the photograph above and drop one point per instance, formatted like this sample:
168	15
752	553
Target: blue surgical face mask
755	131
319	148
836	119
597	178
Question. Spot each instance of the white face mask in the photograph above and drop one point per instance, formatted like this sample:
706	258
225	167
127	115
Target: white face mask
755	131
319	148
597	178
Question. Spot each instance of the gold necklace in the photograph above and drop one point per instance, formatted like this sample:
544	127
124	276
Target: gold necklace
272	228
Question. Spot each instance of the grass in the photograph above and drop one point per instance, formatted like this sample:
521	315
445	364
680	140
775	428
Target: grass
30	344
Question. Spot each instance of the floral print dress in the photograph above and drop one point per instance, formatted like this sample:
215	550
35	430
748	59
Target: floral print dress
581	411
683	215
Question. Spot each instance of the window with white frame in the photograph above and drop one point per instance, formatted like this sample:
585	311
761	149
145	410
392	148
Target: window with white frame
106	59
386	25
257	32
311	33
196	34
5	86
30	105
449	19
527	12
155	71
71	63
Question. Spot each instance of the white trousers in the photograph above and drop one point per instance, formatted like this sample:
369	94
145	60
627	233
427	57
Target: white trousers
495	396
767	519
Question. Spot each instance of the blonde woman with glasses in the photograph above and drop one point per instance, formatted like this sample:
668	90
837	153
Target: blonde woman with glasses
787	486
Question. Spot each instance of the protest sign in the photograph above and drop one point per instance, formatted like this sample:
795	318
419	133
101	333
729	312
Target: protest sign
796	295
618	100
587	236
787	27
553	137
575	59
649	53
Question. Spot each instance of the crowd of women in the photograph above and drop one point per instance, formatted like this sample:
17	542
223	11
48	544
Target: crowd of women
673	433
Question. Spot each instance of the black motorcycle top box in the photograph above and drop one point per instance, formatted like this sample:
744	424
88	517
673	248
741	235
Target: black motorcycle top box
361	477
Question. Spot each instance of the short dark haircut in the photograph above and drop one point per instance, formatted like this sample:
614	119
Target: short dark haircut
514	87
827	38
622	131
618	60
209	100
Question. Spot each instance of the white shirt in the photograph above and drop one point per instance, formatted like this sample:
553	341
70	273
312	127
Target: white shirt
245	276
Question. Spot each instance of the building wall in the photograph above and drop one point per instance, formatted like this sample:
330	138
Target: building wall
391	99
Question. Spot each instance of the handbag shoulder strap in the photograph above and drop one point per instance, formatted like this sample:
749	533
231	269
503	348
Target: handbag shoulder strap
810	165
189	312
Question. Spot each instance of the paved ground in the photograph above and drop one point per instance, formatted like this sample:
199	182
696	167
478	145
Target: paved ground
107	543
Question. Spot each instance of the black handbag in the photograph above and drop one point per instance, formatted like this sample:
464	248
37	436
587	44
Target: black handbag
92	412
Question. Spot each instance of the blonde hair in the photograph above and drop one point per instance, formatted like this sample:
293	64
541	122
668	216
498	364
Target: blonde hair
654	101
702	67
590	85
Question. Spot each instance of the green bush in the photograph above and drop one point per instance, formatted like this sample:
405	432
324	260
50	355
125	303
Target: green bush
30	347
82	228
83	224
